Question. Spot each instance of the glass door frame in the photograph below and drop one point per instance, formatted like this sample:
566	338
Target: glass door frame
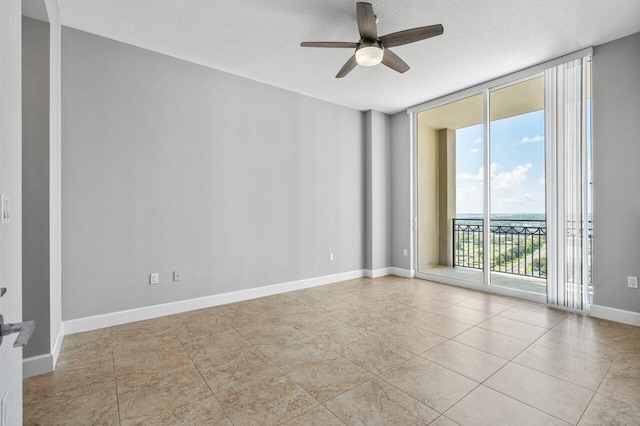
485	89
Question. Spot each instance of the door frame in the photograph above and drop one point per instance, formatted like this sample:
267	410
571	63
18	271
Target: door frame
11	187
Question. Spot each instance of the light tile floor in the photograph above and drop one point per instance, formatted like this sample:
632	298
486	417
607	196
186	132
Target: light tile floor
383	351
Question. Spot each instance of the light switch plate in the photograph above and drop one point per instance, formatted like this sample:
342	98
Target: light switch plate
154	278
632	282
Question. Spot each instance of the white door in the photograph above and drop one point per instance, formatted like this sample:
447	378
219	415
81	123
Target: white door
11	188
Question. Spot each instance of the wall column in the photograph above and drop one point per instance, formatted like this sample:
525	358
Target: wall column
378	192
446	194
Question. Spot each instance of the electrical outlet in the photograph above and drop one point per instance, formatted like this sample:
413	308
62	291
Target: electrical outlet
154	278
405	252
177	275
331	257
632	282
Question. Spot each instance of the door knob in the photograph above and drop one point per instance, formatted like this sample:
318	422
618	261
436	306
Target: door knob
24	328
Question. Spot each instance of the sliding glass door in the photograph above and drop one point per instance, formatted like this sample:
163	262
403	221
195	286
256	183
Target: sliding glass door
518	237
452	237
503	186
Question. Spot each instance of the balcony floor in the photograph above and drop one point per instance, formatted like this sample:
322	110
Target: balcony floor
498	279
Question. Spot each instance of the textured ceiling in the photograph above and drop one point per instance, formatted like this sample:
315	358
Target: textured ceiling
260	39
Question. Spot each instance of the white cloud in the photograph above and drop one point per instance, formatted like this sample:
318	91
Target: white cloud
503	180
474	150
536	138
542	180
509	179
529	197
468	176
478	140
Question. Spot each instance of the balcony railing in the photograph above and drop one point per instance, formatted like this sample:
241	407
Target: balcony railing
517	247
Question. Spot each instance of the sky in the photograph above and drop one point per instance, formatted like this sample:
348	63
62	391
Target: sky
517	161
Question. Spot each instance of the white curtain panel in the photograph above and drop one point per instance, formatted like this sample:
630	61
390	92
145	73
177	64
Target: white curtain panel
567	185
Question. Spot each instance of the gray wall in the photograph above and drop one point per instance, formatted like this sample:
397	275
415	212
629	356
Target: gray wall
616	152
168	165
378	190
35	182
401	169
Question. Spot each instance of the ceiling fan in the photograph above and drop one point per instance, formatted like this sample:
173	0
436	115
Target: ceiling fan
371	49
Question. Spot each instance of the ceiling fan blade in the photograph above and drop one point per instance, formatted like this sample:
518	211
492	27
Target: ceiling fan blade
394	62
410	36
337	44
346	68
366	21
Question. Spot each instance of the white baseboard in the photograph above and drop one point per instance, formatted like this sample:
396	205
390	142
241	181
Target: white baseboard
42	364
37	365
613	314
57	345
80	325
406	273
391	270
377	273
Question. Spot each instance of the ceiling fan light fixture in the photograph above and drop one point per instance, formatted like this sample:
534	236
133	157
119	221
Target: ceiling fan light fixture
369	56
371	49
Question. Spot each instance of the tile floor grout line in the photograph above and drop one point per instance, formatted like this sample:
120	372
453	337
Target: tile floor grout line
300	415
565	354
598	389
284	373
115	378
525	403
249	381
458	373
455	423
511	360
406	393
486	352
552	376
504	334
573	354
265	355
203	379
176	368
588	338
528	323
348	360
382	380
516	399
68	370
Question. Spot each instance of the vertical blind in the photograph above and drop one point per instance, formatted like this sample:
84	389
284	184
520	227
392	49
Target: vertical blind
568	257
